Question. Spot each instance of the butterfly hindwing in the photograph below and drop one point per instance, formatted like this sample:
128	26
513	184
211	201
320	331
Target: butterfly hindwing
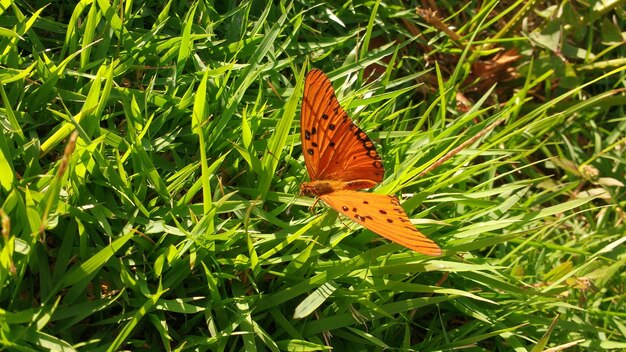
383	215
334	147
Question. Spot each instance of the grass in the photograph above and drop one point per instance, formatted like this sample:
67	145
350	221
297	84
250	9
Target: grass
150	165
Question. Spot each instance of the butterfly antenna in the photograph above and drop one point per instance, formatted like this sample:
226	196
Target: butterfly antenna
463	145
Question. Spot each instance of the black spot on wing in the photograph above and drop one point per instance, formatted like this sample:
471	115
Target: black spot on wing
360	135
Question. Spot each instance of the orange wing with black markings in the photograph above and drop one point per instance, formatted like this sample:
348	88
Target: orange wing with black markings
334	147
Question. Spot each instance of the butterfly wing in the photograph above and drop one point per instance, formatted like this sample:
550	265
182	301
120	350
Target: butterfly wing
334	147
384	215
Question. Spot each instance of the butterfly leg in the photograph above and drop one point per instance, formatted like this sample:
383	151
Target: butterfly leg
314	204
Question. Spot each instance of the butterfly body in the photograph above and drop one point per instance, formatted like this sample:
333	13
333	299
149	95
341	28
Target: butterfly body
322	187
341	159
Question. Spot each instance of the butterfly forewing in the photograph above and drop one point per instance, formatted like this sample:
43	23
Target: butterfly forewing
383	215
334	147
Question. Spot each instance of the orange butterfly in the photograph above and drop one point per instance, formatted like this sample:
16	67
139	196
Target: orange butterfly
340	159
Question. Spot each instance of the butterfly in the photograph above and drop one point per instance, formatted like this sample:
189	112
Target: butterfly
341	159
